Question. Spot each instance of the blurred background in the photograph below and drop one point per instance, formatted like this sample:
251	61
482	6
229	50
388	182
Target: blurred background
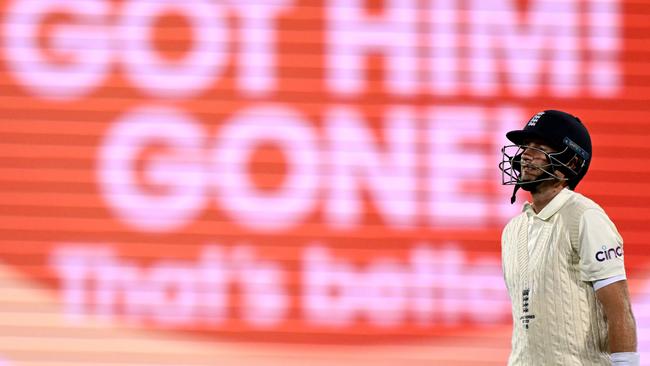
285	182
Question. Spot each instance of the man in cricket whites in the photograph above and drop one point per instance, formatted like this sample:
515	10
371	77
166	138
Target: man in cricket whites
562	256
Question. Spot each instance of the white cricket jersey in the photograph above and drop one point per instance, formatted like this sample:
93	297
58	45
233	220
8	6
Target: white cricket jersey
549	261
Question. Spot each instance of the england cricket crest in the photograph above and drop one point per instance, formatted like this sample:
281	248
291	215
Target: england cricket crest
533	121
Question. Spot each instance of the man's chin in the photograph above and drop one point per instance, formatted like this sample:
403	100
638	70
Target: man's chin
529	186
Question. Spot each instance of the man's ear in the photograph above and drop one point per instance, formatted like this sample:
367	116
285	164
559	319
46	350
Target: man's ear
574	163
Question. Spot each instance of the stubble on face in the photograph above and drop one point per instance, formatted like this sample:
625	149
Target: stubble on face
532	165
534	160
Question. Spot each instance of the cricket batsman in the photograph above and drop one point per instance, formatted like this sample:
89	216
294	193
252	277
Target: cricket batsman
562	256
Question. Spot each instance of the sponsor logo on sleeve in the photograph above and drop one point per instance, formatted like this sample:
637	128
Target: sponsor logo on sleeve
609	253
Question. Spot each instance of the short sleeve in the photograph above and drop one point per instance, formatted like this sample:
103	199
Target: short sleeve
601	247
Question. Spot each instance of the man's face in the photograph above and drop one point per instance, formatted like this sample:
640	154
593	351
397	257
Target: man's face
533	158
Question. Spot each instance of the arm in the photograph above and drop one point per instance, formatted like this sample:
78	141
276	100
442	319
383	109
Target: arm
615	300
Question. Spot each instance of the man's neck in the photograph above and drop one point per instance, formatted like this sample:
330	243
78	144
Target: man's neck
545	194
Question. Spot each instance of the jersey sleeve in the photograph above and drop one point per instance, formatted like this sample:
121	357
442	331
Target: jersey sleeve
601	247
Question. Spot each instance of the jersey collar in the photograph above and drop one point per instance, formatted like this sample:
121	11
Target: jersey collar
554	206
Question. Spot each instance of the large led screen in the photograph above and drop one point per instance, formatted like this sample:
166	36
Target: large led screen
287	182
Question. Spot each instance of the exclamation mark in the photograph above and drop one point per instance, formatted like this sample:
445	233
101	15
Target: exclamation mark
603	40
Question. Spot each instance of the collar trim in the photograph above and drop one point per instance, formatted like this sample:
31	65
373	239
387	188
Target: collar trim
552	207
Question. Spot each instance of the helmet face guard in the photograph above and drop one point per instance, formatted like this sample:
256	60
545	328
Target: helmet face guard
511	164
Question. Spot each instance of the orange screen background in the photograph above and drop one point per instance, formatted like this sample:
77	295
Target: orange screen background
216	183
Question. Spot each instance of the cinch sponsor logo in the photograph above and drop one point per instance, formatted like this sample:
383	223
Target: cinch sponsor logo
607	254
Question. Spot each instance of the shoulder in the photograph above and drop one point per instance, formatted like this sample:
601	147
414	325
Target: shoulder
577	205
583	215
515	221
513	226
